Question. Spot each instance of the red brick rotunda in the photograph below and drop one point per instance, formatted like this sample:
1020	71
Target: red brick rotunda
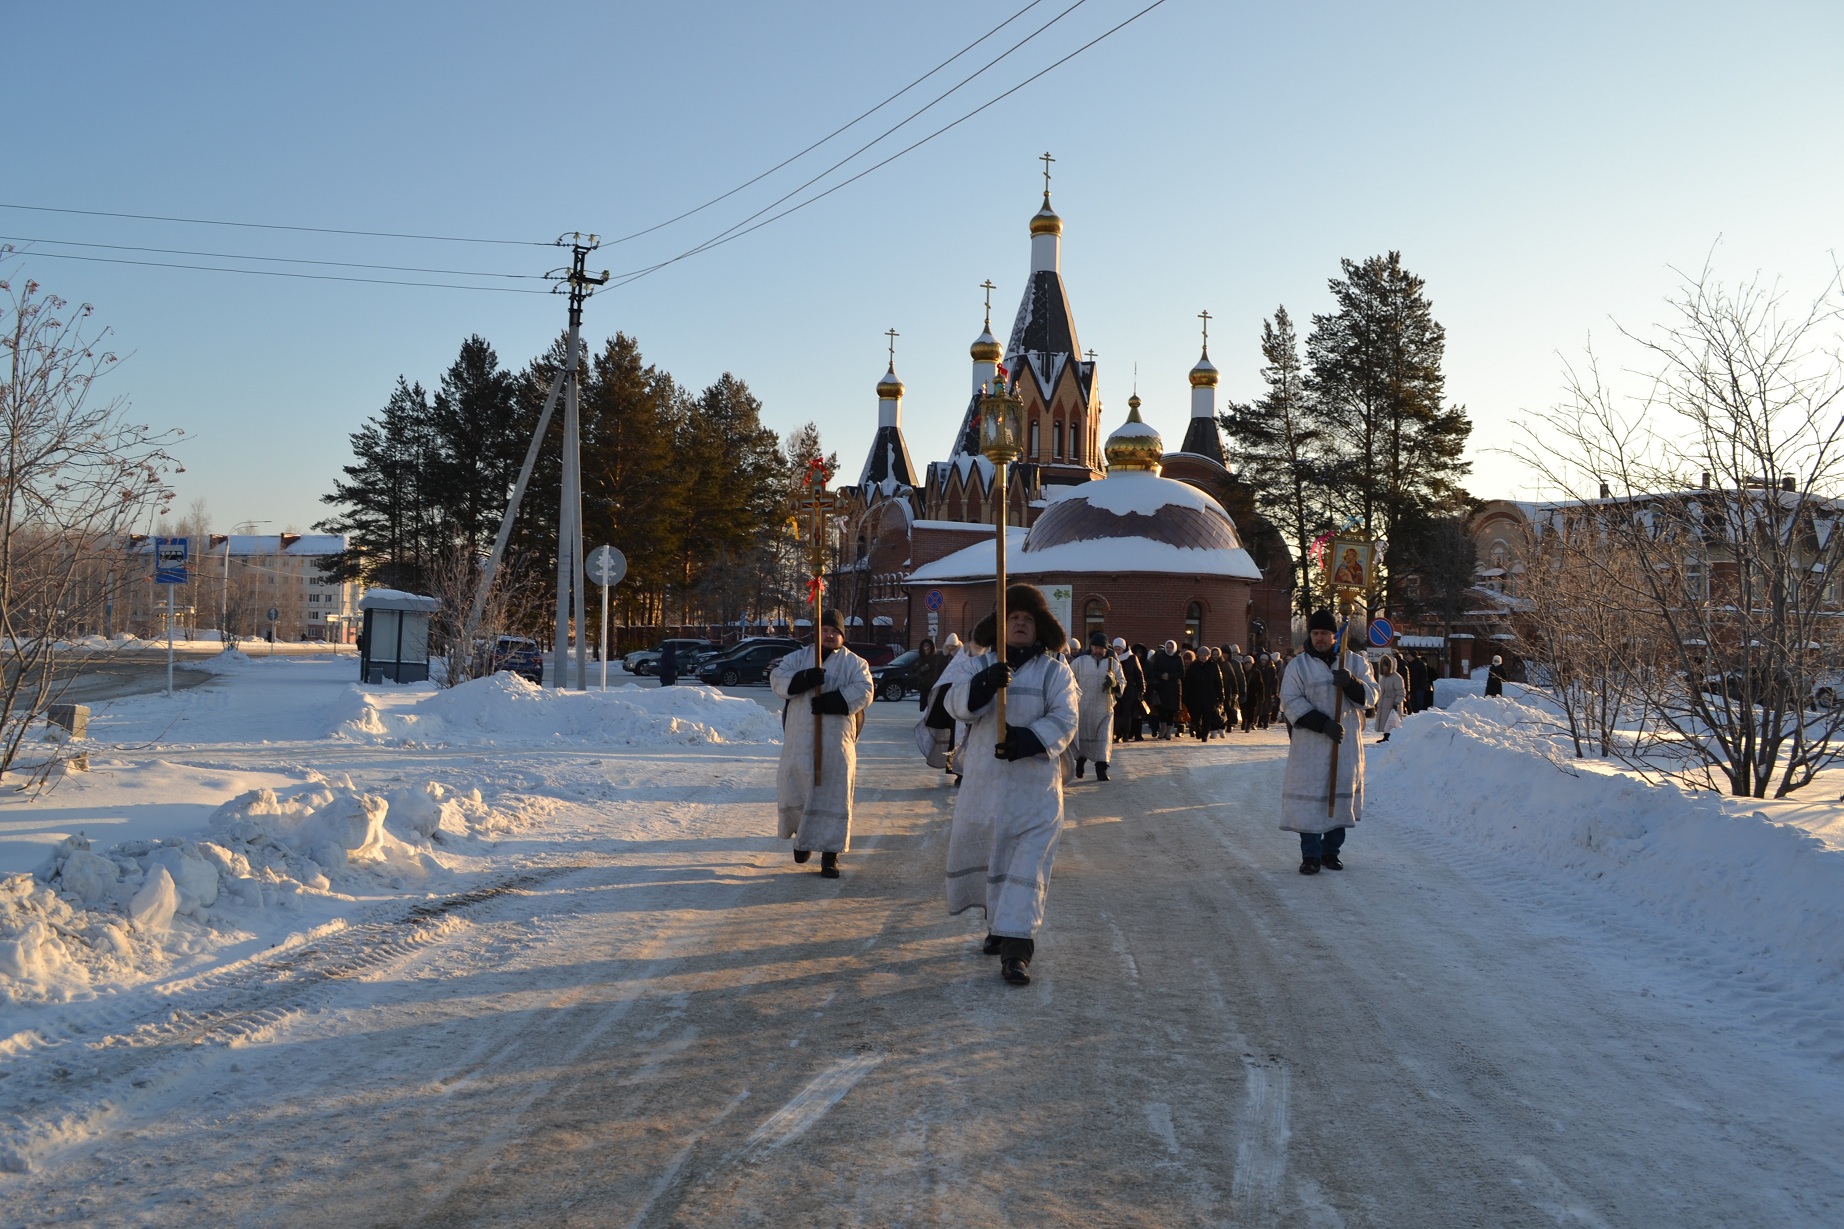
1134	555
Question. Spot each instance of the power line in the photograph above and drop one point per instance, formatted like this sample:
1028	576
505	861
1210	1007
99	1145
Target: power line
317	277
712	242
313	230
291	260
726	237
835	132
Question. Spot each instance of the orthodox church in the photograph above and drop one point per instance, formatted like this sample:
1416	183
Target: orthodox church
1122	536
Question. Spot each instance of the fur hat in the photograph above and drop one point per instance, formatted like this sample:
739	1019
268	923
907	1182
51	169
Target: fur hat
1028	598
1119	643
831	617
1322	621
952	642
1098	638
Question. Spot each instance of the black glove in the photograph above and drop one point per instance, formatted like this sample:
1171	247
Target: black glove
1020	744
1319	723
1354	690
986	684
831	704
806	680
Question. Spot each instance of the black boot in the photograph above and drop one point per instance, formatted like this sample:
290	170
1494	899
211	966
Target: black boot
1101	770
1079	765
1015	960
829	865
1331	863
801	855
991	946
1309	866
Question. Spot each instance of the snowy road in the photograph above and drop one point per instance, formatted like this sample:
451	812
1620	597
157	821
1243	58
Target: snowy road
680	1028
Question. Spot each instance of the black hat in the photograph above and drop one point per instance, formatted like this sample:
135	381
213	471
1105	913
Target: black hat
1322	621
833	619
1028	598
1098	638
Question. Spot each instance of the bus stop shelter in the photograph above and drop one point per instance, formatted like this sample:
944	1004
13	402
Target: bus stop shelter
394	638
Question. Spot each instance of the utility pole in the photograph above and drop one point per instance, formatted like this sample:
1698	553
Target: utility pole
579	284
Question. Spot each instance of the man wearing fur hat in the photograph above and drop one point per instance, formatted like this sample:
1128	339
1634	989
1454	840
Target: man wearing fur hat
1010	810
820	816
1324	678
1099	679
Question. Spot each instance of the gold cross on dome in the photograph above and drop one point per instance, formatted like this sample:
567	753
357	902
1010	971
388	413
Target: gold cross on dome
988	287
1205	317
892	334
1046	160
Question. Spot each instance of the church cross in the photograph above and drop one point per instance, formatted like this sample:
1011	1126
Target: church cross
1091	358
1205	317
988	287
892	334
1046	160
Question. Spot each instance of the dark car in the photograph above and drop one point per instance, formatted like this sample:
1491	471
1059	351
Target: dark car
519	655
896	679
873	654
748	662
646	661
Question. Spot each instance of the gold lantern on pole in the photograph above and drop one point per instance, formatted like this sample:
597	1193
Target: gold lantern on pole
1001	429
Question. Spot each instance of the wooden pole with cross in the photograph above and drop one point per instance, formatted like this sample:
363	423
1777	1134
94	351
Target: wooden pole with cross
813	506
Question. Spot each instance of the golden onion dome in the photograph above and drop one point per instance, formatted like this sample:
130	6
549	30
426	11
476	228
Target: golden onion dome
1045	221
1135	445
985	348
889	388
1204	375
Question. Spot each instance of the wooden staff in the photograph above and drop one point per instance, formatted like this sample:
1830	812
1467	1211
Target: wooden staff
819	644
998	610
1338	706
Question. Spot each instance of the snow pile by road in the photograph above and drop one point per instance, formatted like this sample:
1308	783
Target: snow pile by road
87	918
507	711
1489	772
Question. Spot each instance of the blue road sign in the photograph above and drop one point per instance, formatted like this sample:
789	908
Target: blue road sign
934	599
170	561
1381	633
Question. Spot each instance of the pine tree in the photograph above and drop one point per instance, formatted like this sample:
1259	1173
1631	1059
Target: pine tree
1375	377
477	448
390	524
633	490
1283	450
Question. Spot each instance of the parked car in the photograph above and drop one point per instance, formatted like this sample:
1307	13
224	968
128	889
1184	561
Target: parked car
748	662
518	654
646	661
896	678
873	654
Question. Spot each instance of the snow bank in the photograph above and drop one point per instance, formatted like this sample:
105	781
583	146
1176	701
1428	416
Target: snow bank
506	710
85	918
1489	772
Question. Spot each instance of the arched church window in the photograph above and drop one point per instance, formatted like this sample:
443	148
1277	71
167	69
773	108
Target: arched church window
1032	450
1056	440
1194	624
1094	619
1075	443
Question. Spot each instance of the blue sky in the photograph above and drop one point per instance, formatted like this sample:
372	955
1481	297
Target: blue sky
1544	168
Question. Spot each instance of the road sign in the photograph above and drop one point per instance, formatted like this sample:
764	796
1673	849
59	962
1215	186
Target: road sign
170	561
933	600
274	614
605	565
1381	633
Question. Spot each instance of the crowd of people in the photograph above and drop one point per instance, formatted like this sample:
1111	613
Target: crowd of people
1064	710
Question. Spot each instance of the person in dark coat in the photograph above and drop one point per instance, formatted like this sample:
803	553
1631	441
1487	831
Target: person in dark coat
927	670
1164	681
1255	712
1132	704
1418	683
1495	677
668	666
1202	691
